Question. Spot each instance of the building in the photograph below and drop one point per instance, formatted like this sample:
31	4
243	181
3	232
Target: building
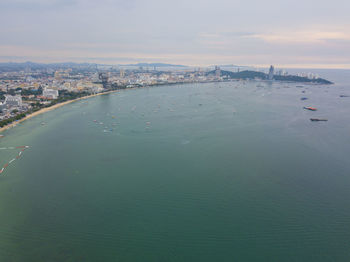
122	73
13	101
95	89
50	93
217	72
271	72
58	75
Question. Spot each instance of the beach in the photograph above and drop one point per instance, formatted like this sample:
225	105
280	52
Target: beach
47	109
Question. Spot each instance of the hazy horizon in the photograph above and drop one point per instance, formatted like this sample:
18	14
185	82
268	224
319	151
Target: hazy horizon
249	67
308	34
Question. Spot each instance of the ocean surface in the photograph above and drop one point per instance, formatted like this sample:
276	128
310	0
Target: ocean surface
198	172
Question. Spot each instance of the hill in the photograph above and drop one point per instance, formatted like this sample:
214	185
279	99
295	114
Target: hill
260	75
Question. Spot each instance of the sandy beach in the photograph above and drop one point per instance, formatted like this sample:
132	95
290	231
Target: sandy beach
43	110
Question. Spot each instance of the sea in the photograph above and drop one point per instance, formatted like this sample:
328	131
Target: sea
229	171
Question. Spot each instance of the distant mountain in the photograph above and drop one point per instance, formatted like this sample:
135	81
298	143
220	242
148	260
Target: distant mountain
35	66
10	66
154	65
237	66
28	63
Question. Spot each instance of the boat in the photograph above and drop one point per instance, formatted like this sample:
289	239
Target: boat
318	119
310	108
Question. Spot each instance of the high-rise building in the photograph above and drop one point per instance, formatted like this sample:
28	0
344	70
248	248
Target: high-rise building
217	71
271	72
122	73
50	93
13	101
58	75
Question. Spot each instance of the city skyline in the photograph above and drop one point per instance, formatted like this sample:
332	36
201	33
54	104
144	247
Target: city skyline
311	34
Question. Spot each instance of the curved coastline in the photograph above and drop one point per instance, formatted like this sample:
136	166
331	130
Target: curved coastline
43	110
47	109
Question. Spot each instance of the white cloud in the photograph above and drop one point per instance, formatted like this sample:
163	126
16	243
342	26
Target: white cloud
302	36
206	31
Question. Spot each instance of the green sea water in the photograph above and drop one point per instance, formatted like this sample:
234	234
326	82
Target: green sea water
199	172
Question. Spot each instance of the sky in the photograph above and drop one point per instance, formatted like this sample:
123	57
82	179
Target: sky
285	33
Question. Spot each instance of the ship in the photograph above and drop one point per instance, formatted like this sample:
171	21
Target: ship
310	108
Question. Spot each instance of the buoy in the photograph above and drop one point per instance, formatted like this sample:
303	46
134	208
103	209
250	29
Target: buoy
17	157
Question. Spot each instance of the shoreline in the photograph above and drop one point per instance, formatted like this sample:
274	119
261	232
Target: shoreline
47	109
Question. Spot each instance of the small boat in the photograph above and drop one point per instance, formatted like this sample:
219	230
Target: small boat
310	108
344	96
304	98
318	119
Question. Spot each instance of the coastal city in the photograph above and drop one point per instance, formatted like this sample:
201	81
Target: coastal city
177	131
28	87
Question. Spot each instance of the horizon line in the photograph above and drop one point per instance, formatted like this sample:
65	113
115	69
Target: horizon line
280	66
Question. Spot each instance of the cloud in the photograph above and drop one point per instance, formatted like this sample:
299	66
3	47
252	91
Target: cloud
302	36
230	31
34	5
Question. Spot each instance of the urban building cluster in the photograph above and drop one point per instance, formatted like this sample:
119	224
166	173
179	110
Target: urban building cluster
22	90
26	89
